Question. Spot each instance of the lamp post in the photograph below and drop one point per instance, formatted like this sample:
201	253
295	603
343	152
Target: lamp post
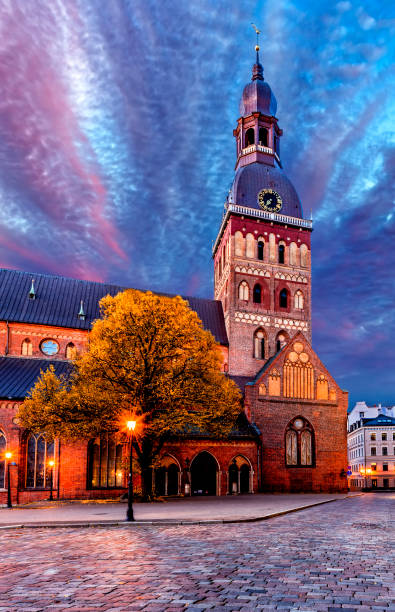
8	456
51	463
129	514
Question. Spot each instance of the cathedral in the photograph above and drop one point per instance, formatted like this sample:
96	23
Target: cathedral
292	434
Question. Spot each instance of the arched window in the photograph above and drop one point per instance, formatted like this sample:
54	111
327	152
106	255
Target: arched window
283	298
71	351
261	249
281	340
304	254
259	344
257	295
250	245
263	136
3	445
104	463
243	291
39	452
239	244
249	137
293	254
299	443
281	253
299	300
27	347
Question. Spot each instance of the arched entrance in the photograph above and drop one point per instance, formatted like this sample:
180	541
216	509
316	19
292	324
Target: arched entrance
167	477
204	474
239	476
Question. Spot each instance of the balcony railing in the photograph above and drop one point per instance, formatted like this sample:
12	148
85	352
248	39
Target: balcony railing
256	147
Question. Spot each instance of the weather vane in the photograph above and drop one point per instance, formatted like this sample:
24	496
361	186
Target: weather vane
257	36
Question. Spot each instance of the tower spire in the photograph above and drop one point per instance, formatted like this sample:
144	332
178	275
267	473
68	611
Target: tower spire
257	70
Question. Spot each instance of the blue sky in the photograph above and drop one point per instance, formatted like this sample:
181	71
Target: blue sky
116	150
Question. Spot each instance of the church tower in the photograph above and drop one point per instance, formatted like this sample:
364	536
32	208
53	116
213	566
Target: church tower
262	270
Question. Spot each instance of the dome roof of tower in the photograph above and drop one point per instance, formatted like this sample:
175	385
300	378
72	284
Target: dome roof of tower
258	97
250	179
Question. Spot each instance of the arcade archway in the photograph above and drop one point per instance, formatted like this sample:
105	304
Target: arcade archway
204	470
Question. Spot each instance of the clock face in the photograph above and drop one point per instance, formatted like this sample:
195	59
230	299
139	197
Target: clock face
269	200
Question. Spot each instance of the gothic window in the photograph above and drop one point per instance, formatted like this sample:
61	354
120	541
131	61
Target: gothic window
249	137
104	463
250	245
27	347
299	300
259	344
298	374
257	294
303	256
71	351
299	443
3	445
239	244
281	340
243	291
281	253
293	254
263	136
39	452
283	298
261	249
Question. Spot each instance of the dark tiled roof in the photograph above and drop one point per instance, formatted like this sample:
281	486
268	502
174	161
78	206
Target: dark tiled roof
242	429
240	381
18	375
250	179
381	419
58	302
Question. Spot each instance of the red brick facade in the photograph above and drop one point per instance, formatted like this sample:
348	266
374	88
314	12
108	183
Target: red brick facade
296	440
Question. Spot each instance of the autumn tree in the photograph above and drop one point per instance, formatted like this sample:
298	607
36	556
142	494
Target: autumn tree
148	356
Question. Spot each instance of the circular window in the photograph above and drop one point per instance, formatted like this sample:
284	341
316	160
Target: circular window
49	347
298	423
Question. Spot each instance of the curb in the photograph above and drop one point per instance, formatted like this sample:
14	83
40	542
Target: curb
167	523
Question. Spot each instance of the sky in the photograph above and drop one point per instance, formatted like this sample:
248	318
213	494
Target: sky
117	152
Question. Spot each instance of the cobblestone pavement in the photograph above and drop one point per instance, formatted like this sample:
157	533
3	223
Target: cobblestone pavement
335	557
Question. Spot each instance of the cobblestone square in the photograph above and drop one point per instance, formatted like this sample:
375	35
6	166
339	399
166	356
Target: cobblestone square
330	558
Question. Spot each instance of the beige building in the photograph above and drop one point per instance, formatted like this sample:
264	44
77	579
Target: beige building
371	447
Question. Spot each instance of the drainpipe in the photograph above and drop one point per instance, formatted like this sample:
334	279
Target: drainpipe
8	338
58	468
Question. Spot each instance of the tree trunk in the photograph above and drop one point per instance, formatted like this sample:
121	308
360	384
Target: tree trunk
146	483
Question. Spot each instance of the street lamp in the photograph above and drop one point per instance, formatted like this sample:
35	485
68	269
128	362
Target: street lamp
51	463
129	514
8	456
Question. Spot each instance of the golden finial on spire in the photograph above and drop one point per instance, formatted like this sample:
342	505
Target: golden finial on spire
257	36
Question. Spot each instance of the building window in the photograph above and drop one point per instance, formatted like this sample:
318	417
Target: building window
373	466
385	467
385	450
71	351
373	451
249	137
283	300
243	291
104	463
393	436
361	415
383	436
281	254
303	256
257	294
27	348
39	452
372	436
259	344
3	445
261	250
49	347
281	340
263	137
299	443
299	300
